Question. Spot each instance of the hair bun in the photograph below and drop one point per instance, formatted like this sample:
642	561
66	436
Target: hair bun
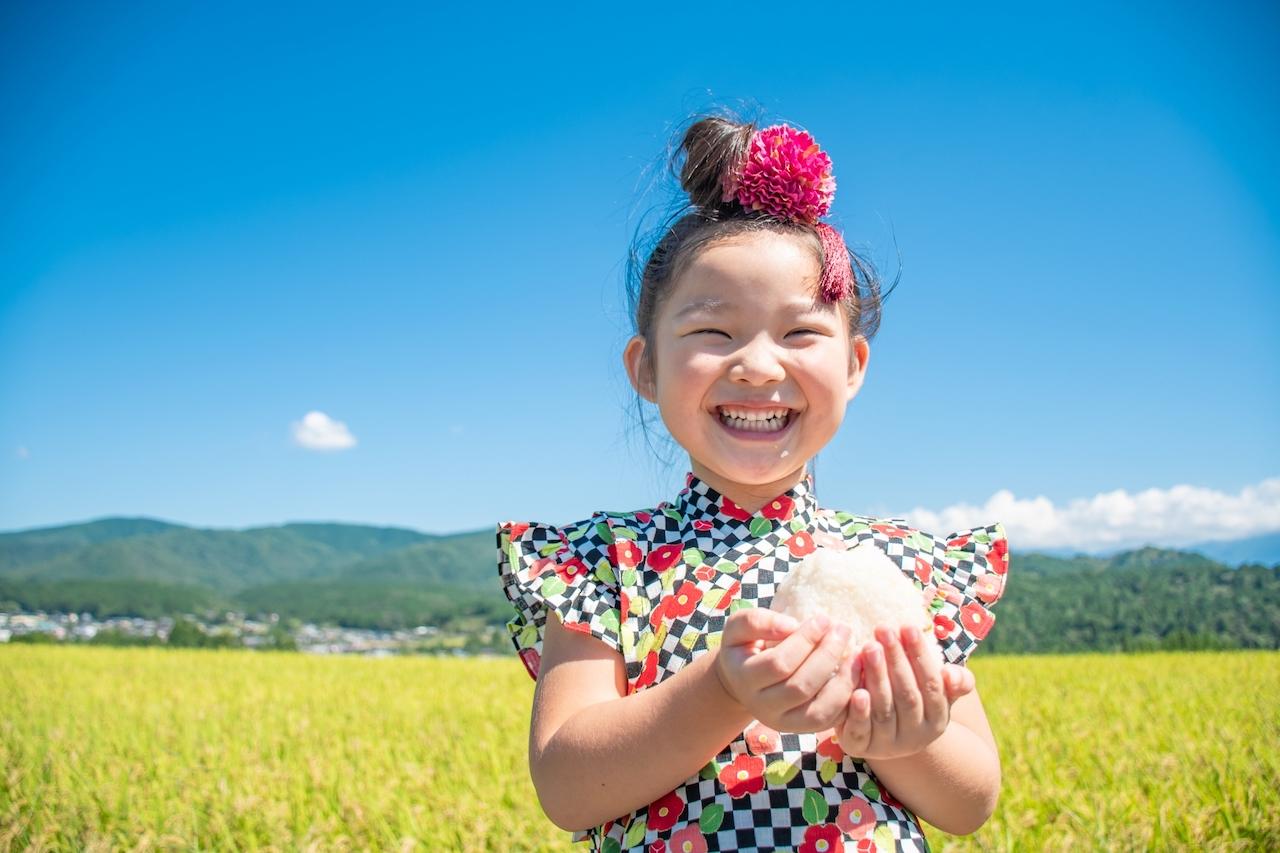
712	147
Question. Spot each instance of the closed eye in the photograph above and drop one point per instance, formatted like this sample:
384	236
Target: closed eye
806	332
709	332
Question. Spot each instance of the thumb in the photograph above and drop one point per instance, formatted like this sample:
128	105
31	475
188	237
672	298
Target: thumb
958	681
757	623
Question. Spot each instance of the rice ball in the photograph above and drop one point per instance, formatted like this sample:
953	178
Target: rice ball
860	587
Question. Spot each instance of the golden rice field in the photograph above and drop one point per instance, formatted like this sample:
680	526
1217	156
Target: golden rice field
104	748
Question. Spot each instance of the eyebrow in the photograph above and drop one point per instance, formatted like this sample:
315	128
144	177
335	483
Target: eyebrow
715	305
710	305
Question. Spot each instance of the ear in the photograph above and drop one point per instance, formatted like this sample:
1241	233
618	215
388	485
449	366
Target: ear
858	359
640	375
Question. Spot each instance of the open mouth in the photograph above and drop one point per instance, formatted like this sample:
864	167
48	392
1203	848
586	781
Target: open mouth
763	421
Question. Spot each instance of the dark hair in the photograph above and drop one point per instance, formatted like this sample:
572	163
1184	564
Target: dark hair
709	149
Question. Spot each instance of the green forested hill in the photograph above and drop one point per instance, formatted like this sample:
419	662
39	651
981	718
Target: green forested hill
365	576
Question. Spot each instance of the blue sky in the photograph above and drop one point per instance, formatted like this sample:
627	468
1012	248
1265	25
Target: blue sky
218	219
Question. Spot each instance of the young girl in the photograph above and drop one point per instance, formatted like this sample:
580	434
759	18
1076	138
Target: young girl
673	709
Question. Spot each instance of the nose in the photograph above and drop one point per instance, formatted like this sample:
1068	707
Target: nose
756	362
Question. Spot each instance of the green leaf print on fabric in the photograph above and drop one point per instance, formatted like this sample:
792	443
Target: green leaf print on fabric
740	604
605	532
711	771
815	807
629	577
796	525
624	533
712	817
611	845
604	572
713	596
692	557
780	772
728	567
871	790
827	771
883	837
920	541
760	526
552	586
549	549
610	620
635	832
674	516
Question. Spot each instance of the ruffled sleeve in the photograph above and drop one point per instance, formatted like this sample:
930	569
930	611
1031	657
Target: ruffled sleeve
966	577
567	570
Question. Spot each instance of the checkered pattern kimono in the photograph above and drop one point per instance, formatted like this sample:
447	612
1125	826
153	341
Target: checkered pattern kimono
656	585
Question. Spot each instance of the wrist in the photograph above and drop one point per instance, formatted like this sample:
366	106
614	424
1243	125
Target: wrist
722	682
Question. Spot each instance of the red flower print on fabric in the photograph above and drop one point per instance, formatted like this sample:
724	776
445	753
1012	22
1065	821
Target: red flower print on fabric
856	817
989	587
977	619
732	510
517	528
572	569
702	525
662	558
729	596
688	840
624	606
780	508
665	811
958	542
532	661
924	570
866	844
829	746
683	601
644	517
543	564
762	740
625	554
648	673
658	846
998	556
580	627
705	572
748	563
943	626
745	776
801	544
823	838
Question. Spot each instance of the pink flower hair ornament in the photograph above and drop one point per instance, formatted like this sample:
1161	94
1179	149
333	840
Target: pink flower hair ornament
785	174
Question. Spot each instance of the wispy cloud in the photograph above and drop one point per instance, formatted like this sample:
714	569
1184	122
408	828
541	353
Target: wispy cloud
1181	515
318	431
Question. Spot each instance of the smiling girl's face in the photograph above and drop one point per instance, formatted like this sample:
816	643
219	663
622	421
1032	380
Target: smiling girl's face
750	369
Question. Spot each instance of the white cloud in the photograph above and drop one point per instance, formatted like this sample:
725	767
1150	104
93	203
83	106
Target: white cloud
1181	515
318	431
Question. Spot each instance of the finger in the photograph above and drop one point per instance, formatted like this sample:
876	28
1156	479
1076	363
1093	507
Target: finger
828	707
908	705
757	623
960	680
922	652
779	663
883	727
855	735
820	668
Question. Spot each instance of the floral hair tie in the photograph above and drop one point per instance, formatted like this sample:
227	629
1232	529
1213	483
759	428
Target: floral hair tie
785	174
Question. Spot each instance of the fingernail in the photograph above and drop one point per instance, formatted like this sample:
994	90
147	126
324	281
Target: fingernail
842	632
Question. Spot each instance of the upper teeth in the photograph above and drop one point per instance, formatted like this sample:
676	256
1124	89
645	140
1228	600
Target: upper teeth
753	414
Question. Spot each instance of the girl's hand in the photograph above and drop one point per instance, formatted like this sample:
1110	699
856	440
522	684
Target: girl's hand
791	677
906	702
